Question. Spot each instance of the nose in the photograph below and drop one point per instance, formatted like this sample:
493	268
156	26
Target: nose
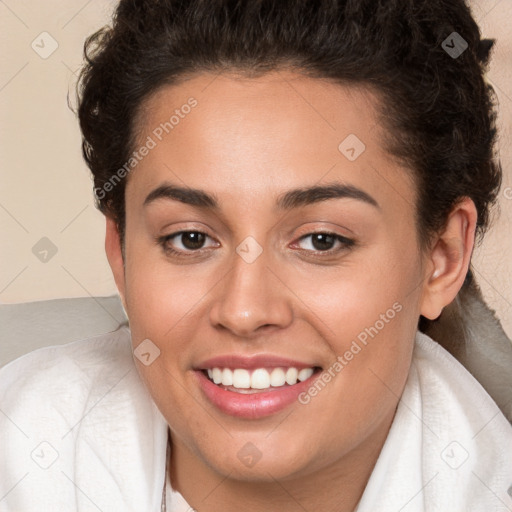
251	298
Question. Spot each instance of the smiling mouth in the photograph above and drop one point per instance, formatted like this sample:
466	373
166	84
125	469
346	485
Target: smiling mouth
245	381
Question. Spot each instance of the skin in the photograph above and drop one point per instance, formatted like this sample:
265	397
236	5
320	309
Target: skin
247	142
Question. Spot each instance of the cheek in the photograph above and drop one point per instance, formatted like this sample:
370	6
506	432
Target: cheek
371	312
372	341
162	297
379	292
164	306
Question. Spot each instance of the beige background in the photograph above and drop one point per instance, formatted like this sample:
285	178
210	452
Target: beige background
45	187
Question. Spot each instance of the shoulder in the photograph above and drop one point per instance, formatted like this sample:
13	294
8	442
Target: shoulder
467	439
79	413
53	385
464	396
434	362
72	364
56	384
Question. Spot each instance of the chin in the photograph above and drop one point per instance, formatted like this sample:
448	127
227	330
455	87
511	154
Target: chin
260	460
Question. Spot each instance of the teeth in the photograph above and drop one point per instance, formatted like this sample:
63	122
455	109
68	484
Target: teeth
291	376
217	375
241	379
277	377
305	373
227	377
261	378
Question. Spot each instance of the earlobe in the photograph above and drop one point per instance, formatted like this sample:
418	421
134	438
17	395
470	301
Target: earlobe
449	260
115	257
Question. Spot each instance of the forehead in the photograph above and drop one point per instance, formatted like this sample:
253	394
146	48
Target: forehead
278	103
254	136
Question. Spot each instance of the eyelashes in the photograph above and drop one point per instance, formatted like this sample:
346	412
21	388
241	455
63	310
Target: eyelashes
196	238
328	237
164	241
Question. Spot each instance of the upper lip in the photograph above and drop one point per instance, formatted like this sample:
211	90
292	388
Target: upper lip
252	362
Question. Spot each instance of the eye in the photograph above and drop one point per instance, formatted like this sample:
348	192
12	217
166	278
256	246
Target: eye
190	241
184	243
323	242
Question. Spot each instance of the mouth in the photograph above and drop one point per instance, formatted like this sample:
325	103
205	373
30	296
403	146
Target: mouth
258	380
253	391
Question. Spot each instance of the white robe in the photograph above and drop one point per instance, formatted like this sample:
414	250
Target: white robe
80	432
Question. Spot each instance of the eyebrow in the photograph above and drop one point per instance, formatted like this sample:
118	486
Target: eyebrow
289	200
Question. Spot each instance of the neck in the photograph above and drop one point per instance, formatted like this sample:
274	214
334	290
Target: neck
338	486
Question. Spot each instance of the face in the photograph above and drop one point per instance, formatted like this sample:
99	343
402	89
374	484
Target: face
249	276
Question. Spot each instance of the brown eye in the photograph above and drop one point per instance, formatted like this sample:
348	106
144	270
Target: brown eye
184	241
192	239
324	242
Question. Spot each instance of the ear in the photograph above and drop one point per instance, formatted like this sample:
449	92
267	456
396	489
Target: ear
448	260
115	257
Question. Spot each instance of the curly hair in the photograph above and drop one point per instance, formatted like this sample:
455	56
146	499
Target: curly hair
437	108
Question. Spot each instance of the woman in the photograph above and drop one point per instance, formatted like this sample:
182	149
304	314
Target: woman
290	188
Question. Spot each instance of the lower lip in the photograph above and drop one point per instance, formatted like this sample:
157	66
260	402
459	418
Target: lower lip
254	405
